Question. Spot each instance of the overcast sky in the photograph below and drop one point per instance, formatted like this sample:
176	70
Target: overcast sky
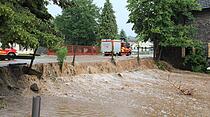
120	9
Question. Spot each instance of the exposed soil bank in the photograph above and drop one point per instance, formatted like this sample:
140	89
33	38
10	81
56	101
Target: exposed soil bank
52	69
14	81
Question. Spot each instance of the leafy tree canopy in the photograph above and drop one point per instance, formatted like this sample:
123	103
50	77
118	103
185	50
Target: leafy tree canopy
27	22
108	25
79	23
165	21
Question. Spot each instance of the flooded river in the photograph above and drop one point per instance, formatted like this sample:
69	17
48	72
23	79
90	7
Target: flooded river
65	107
129	94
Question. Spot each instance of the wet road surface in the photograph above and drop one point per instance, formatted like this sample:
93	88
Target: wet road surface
79	59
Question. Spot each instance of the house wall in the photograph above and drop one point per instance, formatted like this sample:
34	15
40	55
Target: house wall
173	55
202	23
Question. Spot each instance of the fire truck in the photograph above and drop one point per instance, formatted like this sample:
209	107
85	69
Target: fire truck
119	47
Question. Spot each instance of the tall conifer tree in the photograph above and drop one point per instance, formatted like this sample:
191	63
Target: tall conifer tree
122	34
108	24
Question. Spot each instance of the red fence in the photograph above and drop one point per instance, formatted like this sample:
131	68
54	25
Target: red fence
80	50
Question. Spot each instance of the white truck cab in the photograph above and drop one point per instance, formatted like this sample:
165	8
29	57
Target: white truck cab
106	46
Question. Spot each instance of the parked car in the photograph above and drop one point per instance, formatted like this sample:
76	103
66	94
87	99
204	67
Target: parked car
10	52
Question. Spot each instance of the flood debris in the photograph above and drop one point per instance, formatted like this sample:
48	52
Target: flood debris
180	87
3	103
34	87
120	74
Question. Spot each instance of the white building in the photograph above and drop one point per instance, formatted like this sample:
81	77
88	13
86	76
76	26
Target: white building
144	47
21	50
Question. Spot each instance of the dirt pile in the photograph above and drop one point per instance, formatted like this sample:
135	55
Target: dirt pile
13	81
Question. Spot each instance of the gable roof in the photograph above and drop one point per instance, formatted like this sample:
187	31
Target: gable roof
204	3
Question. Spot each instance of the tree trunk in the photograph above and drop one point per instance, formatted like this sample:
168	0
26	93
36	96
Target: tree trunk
74	56
138	56
156	50
112	59
160	53
32	60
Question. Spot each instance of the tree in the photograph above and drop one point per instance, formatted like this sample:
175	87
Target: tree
79	23
27	23
108	25
165	22
196	61
63	3
140	38
123	34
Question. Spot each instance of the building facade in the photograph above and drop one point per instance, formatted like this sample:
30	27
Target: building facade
175	55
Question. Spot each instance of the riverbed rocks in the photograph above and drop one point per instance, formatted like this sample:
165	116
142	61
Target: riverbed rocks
3	104
34	87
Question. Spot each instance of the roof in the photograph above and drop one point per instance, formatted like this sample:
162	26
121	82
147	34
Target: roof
204	3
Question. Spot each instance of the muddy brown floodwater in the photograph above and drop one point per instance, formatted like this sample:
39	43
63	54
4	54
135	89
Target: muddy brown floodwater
129	94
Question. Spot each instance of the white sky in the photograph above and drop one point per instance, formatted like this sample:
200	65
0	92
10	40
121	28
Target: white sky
120	9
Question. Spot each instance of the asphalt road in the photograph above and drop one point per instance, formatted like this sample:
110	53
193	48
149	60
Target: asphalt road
79	59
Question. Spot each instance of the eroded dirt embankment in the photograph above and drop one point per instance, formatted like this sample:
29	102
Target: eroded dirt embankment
52	69
13	80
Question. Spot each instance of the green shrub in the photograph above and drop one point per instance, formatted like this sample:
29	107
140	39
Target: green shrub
196	61
61	56
160	65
